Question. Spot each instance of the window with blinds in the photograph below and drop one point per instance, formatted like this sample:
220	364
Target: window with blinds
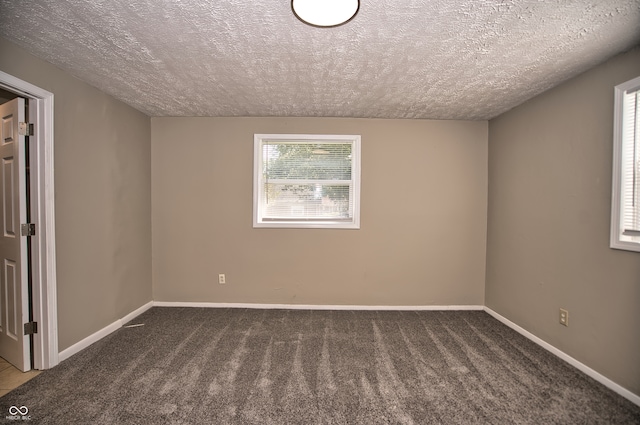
625	220
306	181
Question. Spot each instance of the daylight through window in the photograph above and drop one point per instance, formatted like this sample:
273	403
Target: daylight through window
306	181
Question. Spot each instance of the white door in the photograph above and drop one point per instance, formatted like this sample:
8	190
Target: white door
14	345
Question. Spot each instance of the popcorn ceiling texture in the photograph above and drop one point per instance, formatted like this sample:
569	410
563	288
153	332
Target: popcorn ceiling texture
434	59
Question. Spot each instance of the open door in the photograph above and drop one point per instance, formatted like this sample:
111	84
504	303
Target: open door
14	310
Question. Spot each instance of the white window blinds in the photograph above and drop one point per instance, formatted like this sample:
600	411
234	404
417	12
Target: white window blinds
631	164
306	181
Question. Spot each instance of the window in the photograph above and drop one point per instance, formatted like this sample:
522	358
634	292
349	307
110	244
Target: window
308	181
625	211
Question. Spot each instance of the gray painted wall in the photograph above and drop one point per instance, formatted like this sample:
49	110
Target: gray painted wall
423	216
103	199
549	216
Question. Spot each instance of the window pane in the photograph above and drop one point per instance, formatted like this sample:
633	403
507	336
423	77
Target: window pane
630	162
307	161
307	201
306	181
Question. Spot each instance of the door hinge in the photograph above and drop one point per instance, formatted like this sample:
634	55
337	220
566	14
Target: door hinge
31	328
28	229
25	129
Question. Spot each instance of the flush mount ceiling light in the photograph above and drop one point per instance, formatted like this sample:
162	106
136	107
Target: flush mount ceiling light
325	13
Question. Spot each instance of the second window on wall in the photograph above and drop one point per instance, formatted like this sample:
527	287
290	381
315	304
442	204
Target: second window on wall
306	181
625	211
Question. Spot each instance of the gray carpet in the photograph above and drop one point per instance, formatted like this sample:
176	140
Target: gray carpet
241	366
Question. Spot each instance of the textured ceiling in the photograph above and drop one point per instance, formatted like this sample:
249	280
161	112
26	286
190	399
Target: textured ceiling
438	59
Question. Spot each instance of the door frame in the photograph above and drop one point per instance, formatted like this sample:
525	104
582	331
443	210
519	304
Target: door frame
43	247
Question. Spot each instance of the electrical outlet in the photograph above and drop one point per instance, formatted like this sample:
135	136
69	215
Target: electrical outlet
222	279
564	317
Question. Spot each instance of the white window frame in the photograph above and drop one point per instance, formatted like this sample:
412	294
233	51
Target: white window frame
619	238
258	181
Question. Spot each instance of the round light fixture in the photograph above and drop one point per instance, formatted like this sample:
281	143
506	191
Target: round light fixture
325	13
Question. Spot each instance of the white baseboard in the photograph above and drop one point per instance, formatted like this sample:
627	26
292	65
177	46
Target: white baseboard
567	358
318	307
81	345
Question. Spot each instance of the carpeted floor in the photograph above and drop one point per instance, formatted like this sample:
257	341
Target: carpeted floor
241	366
